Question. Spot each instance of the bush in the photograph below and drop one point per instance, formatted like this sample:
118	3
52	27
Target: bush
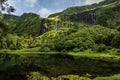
118	28
36	76
82	49
118	50
76	50
100	48
45	49
64	50
116	41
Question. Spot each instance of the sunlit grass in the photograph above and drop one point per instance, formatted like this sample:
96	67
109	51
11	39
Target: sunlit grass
87	53
114	77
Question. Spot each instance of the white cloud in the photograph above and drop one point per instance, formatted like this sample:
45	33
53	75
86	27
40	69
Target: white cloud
44	12
92	1
79	2
30	3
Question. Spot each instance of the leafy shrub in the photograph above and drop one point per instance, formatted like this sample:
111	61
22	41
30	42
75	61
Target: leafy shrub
102	35
82	49
64	50
36	76
118	50
116	41
67	39
76	50
44	49
118	28
99	48
72	77
109	17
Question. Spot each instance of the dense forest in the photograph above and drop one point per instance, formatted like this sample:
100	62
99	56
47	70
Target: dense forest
79	43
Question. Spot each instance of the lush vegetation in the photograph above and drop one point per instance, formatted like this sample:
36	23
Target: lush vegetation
80	43
96	38
105	13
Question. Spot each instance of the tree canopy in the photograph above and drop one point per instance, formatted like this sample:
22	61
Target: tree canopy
4	6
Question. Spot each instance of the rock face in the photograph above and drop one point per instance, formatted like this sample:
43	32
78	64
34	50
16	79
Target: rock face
85	17
105	13
52	65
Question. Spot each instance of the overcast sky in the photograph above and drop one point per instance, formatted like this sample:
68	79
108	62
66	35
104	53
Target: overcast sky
46	7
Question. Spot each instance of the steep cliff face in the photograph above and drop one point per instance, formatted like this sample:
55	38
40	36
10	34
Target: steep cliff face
93	14
54	65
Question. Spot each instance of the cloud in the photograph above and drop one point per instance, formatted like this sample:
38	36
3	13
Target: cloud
79	2
44	12
92	1
30	3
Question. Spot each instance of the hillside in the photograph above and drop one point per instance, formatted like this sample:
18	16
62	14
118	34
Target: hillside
78	9
100	13
26	24
56	34
80	43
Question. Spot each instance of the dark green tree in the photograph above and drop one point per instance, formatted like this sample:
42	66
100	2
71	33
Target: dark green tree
4	5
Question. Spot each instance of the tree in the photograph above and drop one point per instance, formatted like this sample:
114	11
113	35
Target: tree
116	41
3	29
4	6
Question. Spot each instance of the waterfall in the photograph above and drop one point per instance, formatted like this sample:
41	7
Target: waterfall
56	25
41	26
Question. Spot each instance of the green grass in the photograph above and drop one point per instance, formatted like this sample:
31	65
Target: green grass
87	53
114	77
95	55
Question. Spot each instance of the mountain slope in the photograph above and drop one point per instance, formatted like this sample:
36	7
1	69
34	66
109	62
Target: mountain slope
93	14
9	19
28	23
78	9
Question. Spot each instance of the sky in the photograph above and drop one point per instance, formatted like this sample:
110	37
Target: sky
46	7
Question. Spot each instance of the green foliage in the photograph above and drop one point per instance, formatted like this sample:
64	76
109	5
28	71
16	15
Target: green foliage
118	50
76	50
68	39
68	35
72	77
28	23
118	28
110	16
99	48
10	20
106	12
80	9
45	49
6	7
36	76
103	35
116	41
14	42
4	29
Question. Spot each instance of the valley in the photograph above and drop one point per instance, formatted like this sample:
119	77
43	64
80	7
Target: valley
79	43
